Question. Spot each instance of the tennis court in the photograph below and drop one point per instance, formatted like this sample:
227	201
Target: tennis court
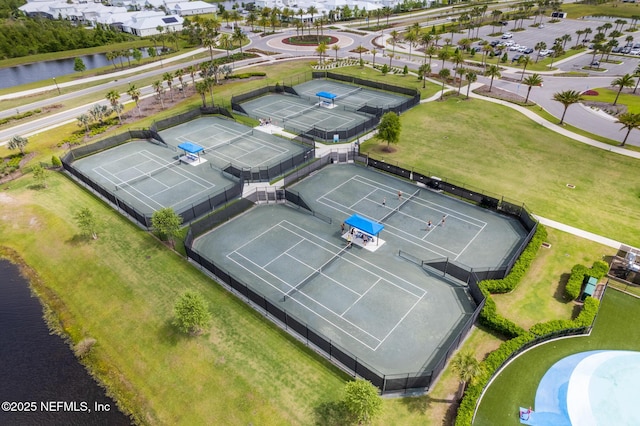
293	112
470	235
387	312
349	95
149	177
225	141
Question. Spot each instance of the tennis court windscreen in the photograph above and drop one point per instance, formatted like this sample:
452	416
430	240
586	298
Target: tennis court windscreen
146	175
394	211
313	275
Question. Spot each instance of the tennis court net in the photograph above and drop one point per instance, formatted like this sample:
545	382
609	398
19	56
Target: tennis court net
313	275
244	135
394	211
299	113
146	175
344	95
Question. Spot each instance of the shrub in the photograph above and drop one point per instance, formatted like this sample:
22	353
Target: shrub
590	93
578	274
55	161
83	347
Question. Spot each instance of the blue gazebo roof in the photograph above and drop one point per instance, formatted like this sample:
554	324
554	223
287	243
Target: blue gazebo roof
327	95
190	147
364	224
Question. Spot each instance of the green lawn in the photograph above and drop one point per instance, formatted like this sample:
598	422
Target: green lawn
539	296
489	146
616	328
608	95
618	9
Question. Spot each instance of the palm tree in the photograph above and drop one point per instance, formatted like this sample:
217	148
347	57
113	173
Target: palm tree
567	98
471	78
336	48
134	94
629	121
312	10
168	77
461	72
444	74
83	121
201	88
532	80
239	37
443	56
636	73
467	367
374	52
321	50
622	82
493	71
424	71
180	75
540	46
395	36
411	37
159	89
113	96
225	42
524	61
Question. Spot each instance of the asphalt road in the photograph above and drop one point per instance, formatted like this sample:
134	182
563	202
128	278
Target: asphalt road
577	116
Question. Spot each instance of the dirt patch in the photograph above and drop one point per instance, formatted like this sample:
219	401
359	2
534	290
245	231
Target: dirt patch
497	93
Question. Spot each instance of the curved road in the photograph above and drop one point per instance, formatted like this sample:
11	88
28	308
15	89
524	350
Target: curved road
577	115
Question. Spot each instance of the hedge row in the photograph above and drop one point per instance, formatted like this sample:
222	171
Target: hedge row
520	268
578	274
519	337
247	75
489	315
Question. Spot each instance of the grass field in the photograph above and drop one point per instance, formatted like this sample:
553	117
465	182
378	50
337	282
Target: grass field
494	148
617	9
516	385
608	95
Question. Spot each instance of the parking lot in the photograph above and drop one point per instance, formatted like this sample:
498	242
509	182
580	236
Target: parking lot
550	31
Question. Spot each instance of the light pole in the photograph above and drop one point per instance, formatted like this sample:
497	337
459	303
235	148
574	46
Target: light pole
56	83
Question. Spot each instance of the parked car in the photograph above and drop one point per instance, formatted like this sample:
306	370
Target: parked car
635	52
516	58
616	49
626	50
528	51
595	64
545	52
509	43
514	47
507	35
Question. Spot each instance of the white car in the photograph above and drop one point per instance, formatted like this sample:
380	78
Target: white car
635	52
509	43
514	47
545	52
507	35
521	49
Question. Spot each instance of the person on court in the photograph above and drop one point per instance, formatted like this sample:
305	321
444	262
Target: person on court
384	201
429	224
399	195
443	220
342	228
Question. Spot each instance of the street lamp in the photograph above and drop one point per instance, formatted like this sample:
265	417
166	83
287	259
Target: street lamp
56	83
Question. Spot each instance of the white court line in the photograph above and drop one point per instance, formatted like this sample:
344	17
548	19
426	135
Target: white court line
115	184
365	181
302	304
185	173
468	244
325	114
366	197
361	296
321	273
284	253
288	229
400	321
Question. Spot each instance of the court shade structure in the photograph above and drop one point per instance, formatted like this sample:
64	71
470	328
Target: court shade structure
191	148
365	225
327	95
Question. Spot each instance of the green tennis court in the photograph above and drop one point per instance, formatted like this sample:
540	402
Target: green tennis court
349	95
387	311
297	113
225	141
149	177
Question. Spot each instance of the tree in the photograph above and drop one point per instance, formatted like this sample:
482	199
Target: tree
78	65
159	89
191	313
336	48
321	50
17	142
134	94
83	121
471	78
532	80
567	98
444	74
362	400
40	175
167	77
167	223
467	367
113	96
539	47
629	121
389	129
622	82
524	61
87	222
423	72
493	71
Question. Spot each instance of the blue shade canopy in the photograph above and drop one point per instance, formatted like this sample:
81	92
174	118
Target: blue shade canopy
190	147
326	95
364	224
